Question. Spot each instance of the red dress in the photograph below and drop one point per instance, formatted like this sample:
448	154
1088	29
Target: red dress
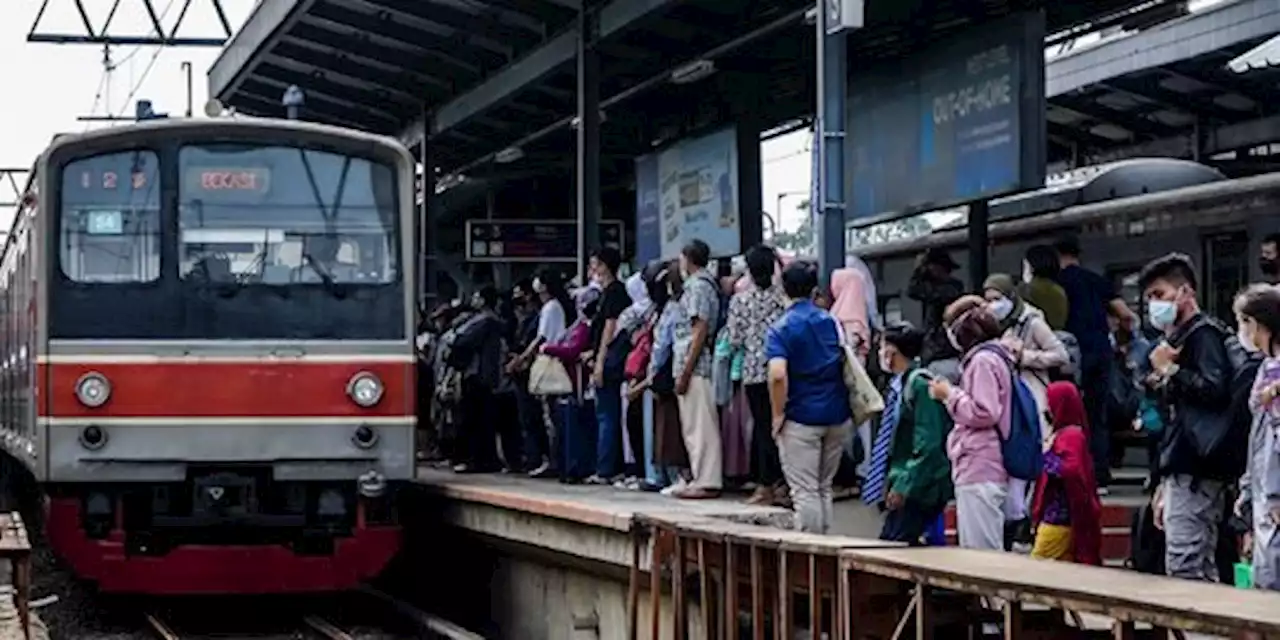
1075	474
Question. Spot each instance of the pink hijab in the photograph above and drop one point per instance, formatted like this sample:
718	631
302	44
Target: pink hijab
849	305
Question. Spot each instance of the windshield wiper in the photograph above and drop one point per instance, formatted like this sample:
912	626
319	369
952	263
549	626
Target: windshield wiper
326	278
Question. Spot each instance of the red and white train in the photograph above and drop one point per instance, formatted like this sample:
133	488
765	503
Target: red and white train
206	359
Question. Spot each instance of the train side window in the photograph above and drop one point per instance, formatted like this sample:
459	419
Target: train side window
110	218
1225	272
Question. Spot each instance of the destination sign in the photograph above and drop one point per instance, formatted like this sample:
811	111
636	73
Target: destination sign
534	240
229	179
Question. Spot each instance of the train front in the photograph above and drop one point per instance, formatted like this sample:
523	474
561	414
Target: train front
227	377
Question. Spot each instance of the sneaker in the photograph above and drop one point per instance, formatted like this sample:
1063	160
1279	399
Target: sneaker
543	470
674	488
627	484
597	480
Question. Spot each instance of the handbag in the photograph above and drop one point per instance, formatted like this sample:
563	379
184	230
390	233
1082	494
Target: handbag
865	400
548	377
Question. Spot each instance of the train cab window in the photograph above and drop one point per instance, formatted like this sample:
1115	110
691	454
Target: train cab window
110	218
283	215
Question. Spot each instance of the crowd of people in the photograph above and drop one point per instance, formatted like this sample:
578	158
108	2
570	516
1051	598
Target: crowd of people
1003	400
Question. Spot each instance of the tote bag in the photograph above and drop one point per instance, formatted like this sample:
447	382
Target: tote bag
864	400
548	377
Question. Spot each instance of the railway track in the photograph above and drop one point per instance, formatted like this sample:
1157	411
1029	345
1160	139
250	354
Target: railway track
310	626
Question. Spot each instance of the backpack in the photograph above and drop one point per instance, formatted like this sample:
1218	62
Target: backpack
1023	450
615	358
722	313
1072	369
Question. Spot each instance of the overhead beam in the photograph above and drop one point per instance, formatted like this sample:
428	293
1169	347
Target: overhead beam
1218	140
535	65
1212	29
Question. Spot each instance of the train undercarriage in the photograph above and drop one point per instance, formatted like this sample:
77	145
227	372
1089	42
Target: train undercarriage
224	530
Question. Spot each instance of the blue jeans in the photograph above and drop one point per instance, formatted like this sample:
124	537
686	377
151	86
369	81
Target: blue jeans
652	474
576	429
609	431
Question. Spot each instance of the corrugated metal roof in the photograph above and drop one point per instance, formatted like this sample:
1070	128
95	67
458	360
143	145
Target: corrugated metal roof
1262	56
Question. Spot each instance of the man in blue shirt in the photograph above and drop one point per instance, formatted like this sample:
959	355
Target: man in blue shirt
1090	299
808	398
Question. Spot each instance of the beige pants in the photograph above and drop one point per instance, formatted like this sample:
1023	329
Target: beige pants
810	457
700	425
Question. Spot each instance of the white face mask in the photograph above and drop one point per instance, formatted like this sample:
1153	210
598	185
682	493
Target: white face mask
1246	340
951	337
886	361
1026	273
1001	308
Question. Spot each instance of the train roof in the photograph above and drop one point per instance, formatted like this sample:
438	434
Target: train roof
1256	193
229	123
1086	185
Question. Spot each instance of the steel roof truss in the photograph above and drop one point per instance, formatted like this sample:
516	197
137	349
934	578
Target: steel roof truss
358	82
1133	122
362	28
320	102
402	18
1149	89
354	65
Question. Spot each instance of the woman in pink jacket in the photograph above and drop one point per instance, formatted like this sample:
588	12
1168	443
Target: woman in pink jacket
980	408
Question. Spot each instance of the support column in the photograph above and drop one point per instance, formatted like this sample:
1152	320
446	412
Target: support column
750	194
427	250
829	134
588	166
979	224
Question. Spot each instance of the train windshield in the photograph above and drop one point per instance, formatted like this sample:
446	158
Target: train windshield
111	218
280	215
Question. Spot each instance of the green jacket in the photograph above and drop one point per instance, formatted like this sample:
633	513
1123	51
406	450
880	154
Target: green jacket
1049	297
918	465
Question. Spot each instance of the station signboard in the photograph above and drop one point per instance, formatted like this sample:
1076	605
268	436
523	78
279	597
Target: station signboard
534	240
961	121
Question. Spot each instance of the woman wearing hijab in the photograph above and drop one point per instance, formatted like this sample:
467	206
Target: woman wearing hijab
1066	509
1257	312
1037	351
670	454
633	321
852	313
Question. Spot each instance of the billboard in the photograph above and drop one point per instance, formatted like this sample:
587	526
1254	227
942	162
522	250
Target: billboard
961	121
533	240
686	191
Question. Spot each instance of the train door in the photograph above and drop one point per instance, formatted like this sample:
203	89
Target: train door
1225	272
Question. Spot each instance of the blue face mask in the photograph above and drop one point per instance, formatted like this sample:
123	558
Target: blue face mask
1162	313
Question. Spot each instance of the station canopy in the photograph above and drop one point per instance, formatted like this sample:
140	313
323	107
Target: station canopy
480	76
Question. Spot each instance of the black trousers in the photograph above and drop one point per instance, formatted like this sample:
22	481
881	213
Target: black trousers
766	467
1094	386
909	523
478	437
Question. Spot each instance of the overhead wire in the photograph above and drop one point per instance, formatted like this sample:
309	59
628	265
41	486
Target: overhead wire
151	63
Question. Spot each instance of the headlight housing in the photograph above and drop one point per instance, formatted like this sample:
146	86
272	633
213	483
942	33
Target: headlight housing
365	389
93	389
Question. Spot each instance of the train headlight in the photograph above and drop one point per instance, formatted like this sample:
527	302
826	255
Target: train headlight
93	389
365	389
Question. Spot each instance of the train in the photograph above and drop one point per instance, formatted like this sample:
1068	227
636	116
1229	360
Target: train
1125	213
207	358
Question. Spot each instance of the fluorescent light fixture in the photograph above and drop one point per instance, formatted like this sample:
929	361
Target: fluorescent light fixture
693	72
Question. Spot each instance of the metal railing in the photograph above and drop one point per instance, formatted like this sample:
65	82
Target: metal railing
711	578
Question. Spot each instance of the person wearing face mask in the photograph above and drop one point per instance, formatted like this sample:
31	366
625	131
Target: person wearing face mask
1201	448
909	476
1040	288
477	353
979	406
1269	258
1037	352
1257	312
